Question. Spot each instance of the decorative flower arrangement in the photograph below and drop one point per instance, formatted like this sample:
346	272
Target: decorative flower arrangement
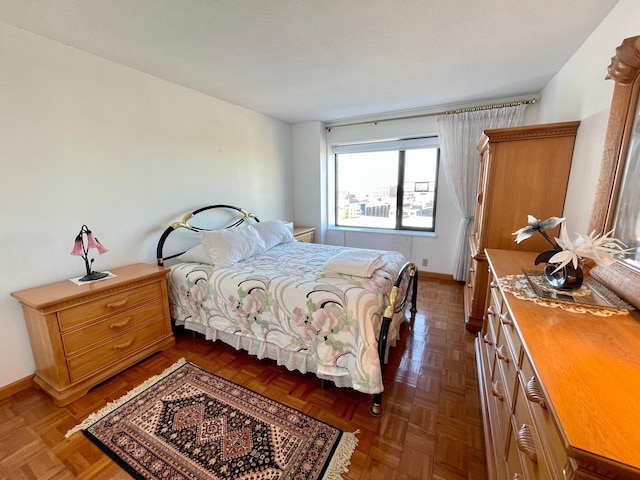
602	249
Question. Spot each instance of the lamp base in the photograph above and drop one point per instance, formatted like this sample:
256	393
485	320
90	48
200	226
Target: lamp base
93	276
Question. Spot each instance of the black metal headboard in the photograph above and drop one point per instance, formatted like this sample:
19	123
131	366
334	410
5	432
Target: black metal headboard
184	223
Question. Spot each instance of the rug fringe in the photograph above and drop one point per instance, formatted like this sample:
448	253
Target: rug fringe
109	407
342	457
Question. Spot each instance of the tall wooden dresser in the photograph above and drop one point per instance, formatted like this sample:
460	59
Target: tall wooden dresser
523	171
558	388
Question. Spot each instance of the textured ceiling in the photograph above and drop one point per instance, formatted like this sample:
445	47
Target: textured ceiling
302	60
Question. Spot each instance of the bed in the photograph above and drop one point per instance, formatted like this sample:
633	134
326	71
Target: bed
332	311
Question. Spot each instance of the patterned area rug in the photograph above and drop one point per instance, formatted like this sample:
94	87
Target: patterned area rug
189	423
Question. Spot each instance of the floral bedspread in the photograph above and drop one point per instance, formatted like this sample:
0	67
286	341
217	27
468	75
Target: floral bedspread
281	305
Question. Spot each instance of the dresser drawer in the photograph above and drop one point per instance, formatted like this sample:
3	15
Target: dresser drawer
489	339
496	295
543	418
505	363
110	352
493	321
512	456
473	271
107	305
511	336
489	352
501	403
503	320
103	330
532	454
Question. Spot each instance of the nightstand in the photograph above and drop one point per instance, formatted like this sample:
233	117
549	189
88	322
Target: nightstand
83	334
304	234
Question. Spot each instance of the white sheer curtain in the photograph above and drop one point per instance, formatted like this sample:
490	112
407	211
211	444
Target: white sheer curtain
459	134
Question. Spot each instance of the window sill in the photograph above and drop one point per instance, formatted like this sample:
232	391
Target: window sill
413	233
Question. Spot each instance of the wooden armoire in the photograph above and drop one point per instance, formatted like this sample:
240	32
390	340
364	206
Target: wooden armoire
523	171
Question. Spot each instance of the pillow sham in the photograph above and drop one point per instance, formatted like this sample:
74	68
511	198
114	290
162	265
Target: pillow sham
230	245
273	232
197	254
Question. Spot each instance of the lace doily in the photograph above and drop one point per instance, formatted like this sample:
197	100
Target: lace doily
519	287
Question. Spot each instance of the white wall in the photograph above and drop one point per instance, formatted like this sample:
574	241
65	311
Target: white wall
84	140
580	92
310	173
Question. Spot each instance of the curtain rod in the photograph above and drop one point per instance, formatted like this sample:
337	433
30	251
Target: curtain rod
447	112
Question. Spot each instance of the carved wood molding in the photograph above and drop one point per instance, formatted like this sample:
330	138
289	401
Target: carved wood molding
622	280
626	62
624	70
528	132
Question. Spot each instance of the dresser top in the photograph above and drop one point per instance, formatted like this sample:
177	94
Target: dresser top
65	290
588	365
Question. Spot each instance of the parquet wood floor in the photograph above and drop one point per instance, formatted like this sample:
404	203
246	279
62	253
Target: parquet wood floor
431	427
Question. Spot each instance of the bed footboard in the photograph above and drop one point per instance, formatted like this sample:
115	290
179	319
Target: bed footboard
406	284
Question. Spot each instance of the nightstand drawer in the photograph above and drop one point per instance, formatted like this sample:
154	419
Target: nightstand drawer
307	237
110	327
304	234
114	350
107	305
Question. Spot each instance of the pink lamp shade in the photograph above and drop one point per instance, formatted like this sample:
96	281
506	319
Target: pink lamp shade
77	247
82	250
93	242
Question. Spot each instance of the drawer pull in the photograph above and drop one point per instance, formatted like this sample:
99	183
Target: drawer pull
501	352
505	318
487	338
497	391
121	324
534	392
524	438
491	310
517	476
493	284
118	303
122	346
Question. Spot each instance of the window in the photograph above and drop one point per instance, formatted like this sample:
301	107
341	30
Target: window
387	185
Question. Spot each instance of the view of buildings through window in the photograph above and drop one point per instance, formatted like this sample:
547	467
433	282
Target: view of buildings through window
392	189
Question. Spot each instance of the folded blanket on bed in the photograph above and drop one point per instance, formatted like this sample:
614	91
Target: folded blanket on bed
359	263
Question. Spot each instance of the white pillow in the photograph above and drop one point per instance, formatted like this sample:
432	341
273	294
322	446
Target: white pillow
273	232
197	254
230	245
